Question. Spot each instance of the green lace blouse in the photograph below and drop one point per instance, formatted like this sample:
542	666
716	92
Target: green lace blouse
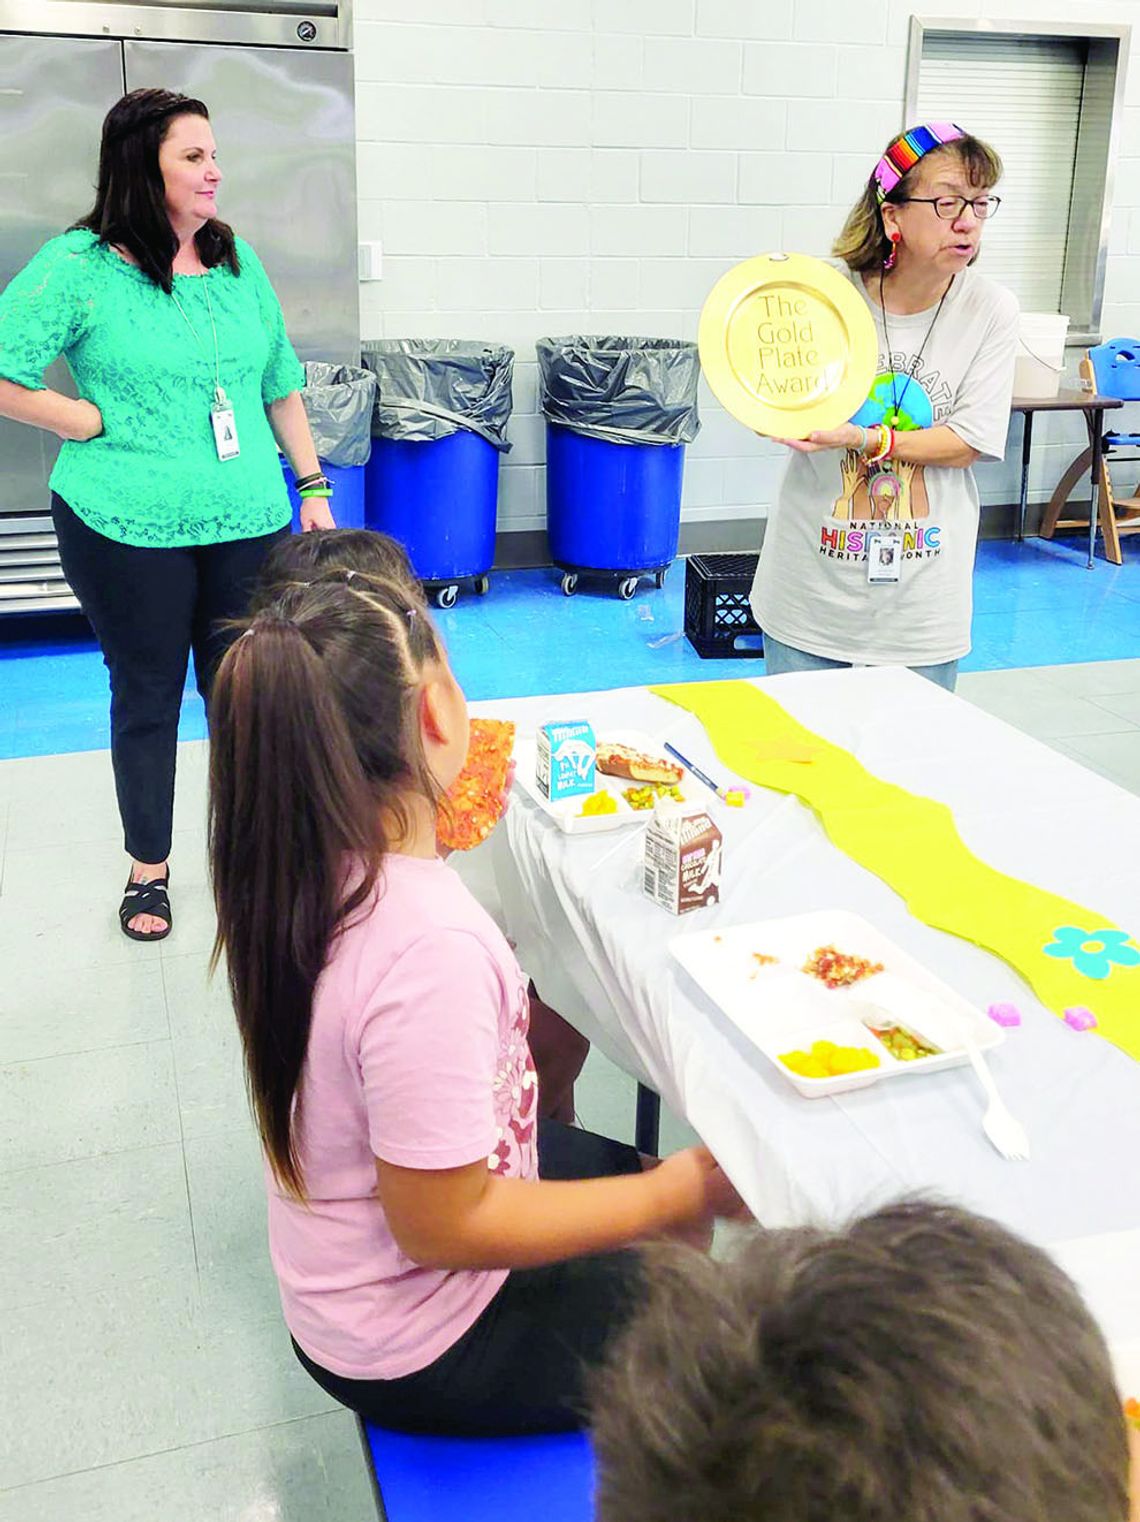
153	476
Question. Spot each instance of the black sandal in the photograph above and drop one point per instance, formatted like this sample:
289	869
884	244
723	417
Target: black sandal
146	898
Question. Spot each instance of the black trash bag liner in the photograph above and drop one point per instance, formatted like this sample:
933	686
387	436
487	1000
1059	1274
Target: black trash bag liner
338	402
624	390
428	388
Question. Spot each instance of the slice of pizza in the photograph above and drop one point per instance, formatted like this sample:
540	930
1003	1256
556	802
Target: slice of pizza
625	761
473	804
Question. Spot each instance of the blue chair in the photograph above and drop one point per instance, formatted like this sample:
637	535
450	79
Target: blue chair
469	1479
1116	368
1111	369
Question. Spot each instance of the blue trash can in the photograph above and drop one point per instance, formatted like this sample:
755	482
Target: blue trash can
439	498
438	428
619	412
338	404
347	499
612	507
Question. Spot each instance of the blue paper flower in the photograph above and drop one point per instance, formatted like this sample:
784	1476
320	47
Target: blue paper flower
1092	952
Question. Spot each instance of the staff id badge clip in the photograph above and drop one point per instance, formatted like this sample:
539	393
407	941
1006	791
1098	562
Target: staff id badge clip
224	426
884	556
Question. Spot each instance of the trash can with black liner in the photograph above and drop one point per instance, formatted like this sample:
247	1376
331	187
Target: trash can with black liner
619	412
338	403
438	428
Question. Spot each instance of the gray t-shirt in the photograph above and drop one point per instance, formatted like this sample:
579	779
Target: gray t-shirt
811	588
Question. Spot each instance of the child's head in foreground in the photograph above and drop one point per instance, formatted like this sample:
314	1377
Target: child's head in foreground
307	557
922	1365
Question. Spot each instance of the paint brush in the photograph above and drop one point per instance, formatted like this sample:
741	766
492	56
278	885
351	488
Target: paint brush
735	797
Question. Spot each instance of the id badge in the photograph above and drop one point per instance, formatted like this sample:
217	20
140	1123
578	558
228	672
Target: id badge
225	431
884	555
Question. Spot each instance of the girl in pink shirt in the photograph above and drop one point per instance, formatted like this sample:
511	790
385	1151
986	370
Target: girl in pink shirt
446	1262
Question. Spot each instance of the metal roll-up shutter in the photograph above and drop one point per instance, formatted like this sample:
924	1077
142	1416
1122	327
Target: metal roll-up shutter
1023	97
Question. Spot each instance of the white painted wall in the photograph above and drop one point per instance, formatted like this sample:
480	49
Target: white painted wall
538	168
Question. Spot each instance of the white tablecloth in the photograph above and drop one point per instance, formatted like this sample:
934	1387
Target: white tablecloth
1107	1271
598	952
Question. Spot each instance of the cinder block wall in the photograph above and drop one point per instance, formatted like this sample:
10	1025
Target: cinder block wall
537	168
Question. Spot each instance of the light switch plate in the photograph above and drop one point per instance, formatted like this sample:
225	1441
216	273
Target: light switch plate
370	261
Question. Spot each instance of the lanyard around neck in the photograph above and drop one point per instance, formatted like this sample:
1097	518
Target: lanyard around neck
897	399
219	390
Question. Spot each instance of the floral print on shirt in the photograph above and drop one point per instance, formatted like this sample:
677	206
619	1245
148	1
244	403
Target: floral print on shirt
515	1154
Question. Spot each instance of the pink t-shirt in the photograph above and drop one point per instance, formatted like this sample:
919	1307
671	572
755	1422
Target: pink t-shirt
417	1055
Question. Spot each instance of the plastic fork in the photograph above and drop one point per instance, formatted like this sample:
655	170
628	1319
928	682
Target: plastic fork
1006	1133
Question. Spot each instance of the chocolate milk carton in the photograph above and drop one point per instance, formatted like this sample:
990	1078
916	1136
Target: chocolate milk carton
566	760
682	857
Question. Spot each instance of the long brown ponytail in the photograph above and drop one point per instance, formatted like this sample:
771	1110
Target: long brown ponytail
314	743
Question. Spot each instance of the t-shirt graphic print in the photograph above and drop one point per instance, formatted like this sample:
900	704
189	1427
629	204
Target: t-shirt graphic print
892	493
515	1092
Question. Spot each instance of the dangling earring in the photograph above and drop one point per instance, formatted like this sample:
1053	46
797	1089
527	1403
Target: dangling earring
889	261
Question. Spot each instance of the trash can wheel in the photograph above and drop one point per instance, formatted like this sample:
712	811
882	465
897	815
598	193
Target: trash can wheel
569	582
446	596
627	587
659	576
482	585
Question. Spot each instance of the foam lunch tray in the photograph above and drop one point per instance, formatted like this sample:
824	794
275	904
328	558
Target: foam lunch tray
754	973
567	812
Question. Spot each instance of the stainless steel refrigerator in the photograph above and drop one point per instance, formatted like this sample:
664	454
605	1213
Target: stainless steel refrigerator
278	83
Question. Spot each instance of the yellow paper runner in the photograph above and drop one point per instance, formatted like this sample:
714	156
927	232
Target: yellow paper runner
1072	957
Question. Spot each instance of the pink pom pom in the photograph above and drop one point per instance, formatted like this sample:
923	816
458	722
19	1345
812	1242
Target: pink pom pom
1004	1014
1080	1019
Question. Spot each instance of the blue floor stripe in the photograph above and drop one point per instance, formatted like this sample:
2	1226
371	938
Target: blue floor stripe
1036	604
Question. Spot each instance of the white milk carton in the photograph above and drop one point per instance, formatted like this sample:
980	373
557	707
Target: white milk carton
683	857
566	760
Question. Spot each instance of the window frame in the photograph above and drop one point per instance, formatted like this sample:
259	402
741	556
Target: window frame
1108	48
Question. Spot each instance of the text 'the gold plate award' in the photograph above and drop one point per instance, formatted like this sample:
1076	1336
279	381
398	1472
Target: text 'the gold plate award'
788	345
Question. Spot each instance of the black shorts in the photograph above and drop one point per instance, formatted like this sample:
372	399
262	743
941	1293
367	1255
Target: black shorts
522	1367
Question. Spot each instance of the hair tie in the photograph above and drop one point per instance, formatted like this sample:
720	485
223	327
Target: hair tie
906	150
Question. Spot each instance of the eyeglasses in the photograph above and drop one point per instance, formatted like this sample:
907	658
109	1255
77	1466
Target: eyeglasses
950	208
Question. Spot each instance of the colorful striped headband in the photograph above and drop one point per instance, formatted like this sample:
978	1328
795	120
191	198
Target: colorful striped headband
906	150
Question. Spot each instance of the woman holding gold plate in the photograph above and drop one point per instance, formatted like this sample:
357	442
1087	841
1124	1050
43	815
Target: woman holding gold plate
869	552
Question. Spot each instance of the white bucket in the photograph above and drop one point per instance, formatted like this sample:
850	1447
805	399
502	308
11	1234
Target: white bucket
1040	353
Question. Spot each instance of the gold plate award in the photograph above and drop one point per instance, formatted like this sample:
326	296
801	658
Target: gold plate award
788	345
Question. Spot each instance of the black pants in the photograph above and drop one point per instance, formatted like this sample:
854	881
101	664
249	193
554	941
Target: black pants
522	1366
150	608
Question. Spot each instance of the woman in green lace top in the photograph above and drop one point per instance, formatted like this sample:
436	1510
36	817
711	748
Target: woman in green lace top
168	491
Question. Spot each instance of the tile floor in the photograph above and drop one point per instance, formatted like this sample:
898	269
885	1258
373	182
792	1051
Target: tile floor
1035	605
145	1370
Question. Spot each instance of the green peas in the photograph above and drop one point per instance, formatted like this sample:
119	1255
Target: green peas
903	1044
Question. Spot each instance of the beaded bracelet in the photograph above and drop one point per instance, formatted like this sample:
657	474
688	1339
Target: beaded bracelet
884	446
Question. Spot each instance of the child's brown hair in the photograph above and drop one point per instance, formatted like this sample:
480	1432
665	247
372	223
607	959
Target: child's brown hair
307	557
315	749
923	1365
